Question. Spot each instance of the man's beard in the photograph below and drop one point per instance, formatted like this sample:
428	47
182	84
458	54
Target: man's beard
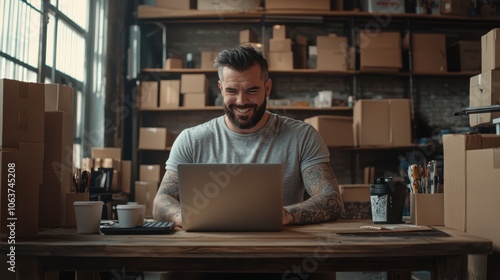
247	122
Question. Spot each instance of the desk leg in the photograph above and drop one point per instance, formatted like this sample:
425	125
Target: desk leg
451	267
477	266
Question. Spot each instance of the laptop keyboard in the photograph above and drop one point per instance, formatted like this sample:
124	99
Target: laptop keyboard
156	224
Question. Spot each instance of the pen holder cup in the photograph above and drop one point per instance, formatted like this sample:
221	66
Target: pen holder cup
427	209
387	200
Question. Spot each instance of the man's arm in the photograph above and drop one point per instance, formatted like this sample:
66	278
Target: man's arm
325	203
166	206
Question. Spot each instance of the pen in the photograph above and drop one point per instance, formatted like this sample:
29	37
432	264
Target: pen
413	175
433	176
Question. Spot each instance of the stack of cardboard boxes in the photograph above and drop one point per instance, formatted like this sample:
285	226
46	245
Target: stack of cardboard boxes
147	186
380	50
333	53
428	52
166	97
472	161
280	56
194	90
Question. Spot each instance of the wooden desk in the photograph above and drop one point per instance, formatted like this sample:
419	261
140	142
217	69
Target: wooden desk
312	248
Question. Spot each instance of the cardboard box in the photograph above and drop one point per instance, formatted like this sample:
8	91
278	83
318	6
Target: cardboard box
484	91
145	192
194	83
427	209
174	5
465	56
170	93
280	45
298	5
194	100
429	53
331	53
455	174
490	50
380	50
384	122
22	113
173	63
280	32
390	7
58	148
208	59
248	36
149	173
155	138
356	200
280	60
455	7
483	177
25	166
148	95
59	98
228	5
126	175
336	131
110	152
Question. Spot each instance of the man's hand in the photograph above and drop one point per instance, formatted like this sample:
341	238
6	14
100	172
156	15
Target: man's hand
287	217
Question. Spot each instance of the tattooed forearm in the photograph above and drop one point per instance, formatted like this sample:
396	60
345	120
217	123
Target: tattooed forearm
325	203
166	205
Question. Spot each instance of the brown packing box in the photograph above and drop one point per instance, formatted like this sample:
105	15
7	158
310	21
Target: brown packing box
22	113
59	127
490	50
427	209
59	98
465	56
174	5
280	60
170	93
384	122
356	200
279	32
228	5
173	63
148	95
280	45
455	173
155	138
455	7
194	83
108	152
126	175
149	173
429	53
483	177
298	5
145	192
194	100
380	50
248	36
484	91
332	53
53	191
336	131
208	59
26	163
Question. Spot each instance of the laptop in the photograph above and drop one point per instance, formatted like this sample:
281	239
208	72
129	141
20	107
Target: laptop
231	197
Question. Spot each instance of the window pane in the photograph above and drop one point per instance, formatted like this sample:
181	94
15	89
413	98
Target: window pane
70	54
75	10
11	70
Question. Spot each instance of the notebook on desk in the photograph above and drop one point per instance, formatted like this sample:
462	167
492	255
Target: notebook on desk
231	197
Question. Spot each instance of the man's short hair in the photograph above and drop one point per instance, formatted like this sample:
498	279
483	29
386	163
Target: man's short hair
242	58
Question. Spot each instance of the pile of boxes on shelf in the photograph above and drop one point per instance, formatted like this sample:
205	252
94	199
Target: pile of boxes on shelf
147	186
36	154
472	161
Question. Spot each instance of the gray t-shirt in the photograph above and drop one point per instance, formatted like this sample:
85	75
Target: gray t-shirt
294	143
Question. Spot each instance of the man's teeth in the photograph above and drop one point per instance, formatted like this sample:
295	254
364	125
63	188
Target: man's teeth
242	110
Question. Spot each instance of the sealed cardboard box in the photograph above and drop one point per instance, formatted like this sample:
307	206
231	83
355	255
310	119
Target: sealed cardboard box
280	60
145	192
356	199
490	50
280	45
149	172
228	5
427	209
149	95
336	131
194	83
58	146
106	152
331	53
380	50
174	5
298	5
279	32
483	177
194	100
173	63
51	208
59	98
429	53
391	7
248	36
484	91
22	113
208	59
384	122
24	165
170	93
155	138
465	56
455	147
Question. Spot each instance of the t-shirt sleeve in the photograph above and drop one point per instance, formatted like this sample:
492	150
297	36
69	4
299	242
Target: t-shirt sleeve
314	149
181	152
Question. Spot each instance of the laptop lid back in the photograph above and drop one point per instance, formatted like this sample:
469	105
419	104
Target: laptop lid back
231	197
